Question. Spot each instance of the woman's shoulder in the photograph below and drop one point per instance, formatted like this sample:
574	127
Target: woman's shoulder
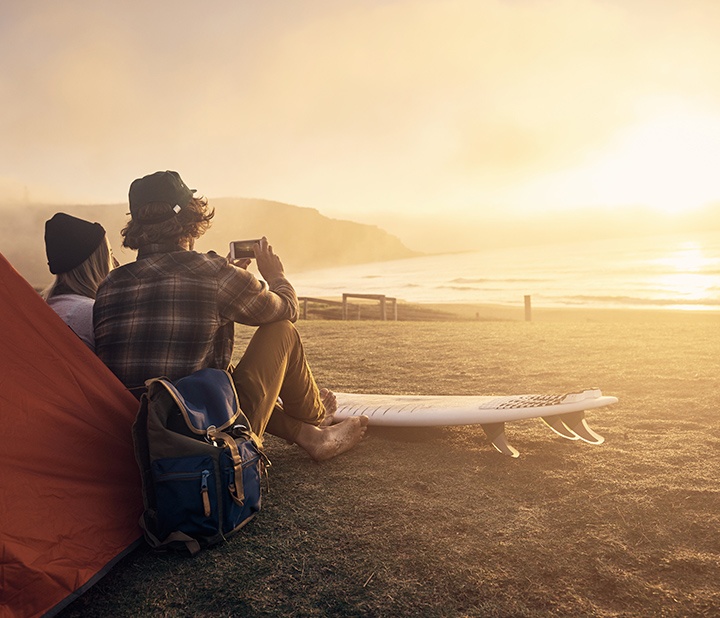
77	312
71	301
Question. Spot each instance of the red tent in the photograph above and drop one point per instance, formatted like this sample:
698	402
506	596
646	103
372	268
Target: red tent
69	486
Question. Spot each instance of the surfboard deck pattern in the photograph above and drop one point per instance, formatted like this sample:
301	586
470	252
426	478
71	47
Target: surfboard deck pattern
563	413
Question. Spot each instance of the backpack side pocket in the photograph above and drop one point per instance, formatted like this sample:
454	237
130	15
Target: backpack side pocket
186	492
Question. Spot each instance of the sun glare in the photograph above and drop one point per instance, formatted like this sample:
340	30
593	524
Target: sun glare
688	258
685	275
667	163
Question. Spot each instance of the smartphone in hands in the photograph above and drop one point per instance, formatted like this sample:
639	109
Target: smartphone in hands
242	248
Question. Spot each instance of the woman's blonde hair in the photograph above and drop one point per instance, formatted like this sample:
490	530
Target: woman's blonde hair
85	278
187	226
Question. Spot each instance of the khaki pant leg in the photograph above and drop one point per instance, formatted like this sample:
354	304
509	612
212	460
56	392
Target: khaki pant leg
274	365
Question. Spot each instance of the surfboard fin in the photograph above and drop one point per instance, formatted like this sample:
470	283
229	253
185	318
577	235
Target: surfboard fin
556	424
575	422
495	432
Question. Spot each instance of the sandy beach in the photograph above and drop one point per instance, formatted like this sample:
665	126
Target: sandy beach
434	522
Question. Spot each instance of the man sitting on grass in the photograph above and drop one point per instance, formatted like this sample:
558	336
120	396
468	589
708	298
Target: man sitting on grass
172	312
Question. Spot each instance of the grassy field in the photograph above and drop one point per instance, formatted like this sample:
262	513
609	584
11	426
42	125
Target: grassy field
434	522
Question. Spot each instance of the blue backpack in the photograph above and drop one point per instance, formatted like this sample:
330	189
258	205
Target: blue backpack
201	463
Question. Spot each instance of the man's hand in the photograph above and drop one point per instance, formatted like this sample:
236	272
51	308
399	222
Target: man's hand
239	262
268	264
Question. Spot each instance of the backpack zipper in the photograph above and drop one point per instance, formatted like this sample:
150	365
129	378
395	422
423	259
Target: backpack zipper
204	492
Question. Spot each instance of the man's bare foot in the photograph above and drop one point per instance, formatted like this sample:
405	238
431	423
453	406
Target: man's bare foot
330	404
323	443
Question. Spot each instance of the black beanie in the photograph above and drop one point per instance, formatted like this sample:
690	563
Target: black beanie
70	241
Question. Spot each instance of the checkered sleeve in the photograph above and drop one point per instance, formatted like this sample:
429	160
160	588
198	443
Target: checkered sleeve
245	299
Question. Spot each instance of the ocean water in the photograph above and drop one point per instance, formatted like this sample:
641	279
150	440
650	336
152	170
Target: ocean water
679	271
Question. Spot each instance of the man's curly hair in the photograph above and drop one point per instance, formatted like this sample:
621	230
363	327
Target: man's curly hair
187	226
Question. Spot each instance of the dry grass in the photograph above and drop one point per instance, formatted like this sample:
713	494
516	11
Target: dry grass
433	522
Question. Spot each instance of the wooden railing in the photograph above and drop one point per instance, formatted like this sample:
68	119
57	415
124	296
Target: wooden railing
379	297
345	306
304	300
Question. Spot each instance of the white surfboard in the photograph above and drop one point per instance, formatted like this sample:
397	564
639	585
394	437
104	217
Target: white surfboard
564	414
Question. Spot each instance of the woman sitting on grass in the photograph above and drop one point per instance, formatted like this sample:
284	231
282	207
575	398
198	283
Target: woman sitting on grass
80	257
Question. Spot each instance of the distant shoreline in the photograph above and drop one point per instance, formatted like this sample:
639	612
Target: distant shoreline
575	314
495	312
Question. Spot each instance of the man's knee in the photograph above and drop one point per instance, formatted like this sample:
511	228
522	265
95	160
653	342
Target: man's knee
283	325
282	331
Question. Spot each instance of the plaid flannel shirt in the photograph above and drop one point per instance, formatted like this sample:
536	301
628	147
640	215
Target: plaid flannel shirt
171	313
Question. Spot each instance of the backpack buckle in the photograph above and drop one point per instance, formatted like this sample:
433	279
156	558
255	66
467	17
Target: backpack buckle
210	435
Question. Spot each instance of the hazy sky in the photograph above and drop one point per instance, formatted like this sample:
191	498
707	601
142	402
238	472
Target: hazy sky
357	107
